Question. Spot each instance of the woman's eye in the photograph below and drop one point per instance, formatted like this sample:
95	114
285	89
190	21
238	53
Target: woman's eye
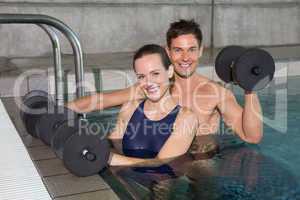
140	77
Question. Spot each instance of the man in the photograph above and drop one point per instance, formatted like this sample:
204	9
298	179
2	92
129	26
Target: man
206	98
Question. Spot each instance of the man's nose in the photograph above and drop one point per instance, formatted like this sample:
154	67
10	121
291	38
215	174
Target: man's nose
185	56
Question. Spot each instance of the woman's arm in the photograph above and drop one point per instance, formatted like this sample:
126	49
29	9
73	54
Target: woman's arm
184	131
100	101
178	143
116	159
116	136
124	115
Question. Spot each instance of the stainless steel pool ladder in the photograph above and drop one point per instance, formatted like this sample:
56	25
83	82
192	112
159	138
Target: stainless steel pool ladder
47	23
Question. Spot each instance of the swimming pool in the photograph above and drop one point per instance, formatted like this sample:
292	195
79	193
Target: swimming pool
269	170
281	110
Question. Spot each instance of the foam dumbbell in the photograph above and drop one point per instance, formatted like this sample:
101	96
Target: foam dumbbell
86	154
34	105
252	69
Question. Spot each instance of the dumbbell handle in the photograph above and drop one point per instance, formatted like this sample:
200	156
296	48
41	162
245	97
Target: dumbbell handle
88	155
256	70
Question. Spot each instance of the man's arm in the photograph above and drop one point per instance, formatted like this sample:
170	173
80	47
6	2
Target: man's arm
101	101
247	121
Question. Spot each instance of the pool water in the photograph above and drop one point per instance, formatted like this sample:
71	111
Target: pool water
269	170
281	111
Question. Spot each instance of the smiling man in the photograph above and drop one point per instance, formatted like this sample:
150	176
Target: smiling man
206	98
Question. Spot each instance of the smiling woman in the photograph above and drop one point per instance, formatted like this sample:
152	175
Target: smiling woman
155	130
153	76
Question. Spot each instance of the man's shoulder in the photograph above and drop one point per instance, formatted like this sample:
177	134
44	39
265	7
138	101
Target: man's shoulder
207	85
204	79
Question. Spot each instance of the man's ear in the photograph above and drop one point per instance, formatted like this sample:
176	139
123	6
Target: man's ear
167	50
201	51
171	71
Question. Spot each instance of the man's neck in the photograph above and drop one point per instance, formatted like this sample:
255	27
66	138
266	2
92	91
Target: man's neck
186	82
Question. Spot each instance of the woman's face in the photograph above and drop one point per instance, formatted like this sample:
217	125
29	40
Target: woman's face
152	76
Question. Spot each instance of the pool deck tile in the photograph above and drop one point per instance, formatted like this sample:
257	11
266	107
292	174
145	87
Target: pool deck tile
60	184
30	141
51	167
101	194
63	185
41	153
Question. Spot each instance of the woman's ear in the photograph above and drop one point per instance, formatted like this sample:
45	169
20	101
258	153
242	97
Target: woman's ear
171	71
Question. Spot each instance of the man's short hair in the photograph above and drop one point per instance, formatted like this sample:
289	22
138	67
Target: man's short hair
184	27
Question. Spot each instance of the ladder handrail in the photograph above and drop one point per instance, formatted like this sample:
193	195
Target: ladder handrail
58	72
64	29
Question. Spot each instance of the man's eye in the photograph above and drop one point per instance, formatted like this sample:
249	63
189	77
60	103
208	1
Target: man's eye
176	50
156	73
140	77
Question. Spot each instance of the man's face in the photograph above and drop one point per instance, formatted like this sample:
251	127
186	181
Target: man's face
184	52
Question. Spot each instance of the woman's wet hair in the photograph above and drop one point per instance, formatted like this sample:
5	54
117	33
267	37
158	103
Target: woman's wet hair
153	49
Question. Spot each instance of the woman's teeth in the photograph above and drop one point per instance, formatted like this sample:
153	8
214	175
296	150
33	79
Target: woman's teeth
152	89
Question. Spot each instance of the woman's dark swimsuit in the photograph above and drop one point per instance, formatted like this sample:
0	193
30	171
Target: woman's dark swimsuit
144	138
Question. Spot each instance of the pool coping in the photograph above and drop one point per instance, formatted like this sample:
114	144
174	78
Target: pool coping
59	182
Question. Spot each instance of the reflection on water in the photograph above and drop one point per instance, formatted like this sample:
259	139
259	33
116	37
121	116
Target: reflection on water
236	173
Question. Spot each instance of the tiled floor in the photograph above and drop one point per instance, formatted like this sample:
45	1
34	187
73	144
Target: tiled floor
60	183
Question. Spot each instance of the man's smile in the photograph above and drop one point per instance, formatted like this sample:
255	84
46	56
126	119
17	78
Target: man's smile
185	65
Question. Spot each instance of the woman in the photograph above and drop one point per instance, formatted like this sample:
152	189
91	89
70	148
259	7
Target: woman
156	130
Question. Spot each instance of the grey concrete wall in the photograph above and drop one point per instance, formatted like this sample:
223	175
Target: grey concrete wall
125	25
254	1
250	23
112	1
101	28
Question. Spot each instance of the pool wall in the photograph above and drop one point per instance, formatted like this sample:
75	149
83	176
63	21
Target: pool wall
111	30
124	25
106	72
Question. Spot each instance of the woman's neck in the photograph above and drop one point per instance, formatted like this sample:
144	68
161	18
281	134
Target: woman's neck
156	109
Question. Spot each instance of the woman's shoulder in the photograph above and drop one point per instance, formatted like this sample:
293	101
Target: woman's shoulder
130	106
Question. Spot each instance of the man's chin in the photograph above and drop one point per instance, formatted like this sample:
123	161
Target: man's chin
185	74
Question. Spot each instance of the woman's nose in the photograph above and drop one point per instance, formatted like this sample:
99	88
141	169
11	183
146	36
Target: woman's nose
146	80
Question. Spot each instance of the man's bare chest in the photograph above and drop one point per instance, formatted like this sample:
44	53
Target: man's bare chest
203	105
